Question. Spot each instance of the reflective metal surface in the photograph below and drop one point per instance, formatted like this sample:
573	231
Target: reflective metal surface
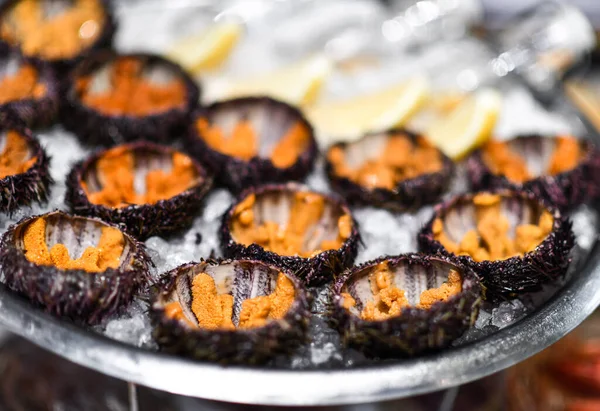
565	311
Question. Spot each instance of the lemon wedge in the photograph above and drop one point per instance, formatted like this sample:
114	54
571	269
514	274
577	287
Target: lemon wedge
298	83
468	126
347	120
584	97
439	105
208	50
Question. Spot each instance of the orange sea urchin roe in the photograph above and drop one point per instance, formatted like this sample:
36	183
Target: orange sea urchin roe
21	85
490	240
400	160
258	310
389	299
105	255
212	310
566	155
174	310
243	142
60	36
130	93
503	161
307	209
448	289
215	311
13	159
348	301
116	170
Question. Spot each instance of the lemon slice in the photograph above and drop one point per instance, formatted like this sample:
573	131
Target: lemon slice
298	83
347	120
468	126
446	102
437	106
584	97
207	50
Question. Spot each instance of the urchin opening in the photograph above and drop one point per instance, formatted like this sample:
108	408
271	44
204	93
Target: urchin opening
72	243
123	176
19	80
16	155
229	296
245	129
53	29
493	226
132	86
527	158
385	159
290	222
381	291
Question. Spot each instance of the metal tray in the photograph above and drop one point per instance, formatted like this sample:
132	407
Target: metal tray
376	382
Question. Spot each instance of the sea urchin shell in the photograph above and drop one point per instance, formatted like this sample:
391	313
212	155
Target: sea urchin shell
77	267
230	311
29	89
564	171
311	234
406	305
253	140
59	32
394	169
147	188
114	98
511	239
24	173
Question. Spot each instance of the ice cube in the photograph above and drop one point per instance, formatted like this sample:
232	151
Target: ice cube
507	313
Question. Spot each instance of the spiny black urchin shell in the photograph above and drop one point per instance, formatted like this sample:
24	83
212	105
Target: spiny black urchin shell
244	279
271	119
313	271
77	294
507	278
34	112
93	127
408	194
63	65
566	190
145	220
32	185
415	330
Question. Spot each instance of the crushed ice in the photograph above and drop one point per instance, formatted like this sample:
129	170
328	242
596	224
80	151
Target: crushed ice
507	313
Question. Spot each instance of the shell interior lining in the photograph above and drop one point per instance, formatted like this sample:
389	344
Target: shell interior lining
10	66
100	79
145	162
76	234
159	74
365	149
154	72
275	207
536	152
